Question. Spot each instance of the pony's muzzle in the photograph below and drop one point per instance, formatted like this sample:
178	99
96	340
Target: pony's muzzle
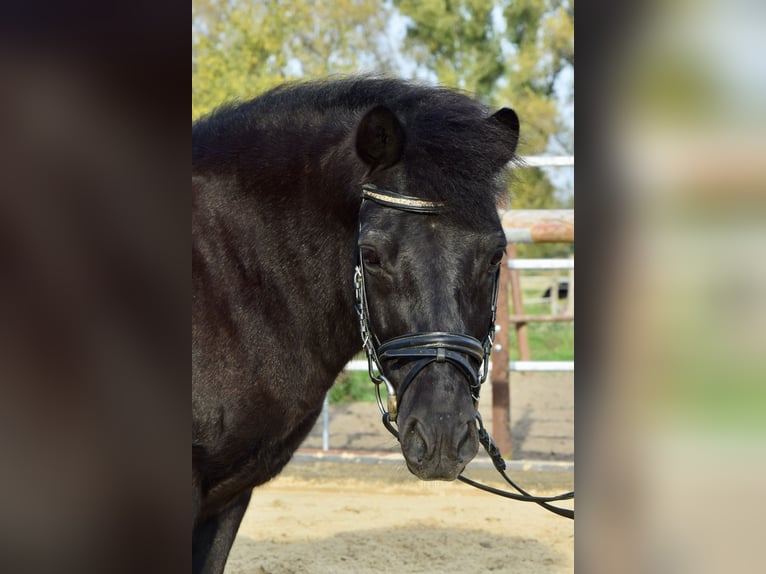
437	447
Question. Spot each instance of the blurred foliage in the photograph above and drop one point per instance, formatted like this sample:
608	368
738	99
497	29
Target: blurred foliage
240	49
501	51
353	386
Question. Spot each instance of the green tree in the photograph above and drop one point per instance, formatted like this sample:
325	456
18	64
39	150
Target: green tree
241	48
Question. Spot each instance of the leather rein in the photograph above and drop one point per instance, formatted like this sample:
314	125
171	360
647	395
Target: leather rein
469	355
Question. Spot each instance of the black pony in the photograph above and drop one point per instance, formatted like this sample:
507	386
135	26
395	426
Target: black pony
298	196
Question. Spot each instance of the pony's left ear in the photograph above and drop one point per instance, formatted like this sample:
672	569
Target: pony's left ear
508	119
379	138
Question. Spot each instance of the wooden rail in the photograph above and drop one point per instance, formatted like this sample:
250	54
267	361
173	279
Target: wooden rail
538	225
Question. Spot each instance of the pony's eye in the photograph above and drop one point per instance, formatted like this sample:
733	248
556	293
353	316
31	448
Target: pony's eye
370	257
497	258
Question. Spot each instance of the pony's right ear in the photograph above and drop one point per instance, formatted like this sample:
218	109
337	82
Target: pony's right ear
379	138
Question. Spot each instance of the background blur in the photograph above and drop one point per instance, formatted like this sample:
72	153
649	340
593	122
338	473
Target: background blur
673	429
94	259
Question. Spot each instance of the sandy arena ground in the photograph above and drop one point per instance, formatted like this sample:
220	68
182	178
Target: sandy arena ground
321	517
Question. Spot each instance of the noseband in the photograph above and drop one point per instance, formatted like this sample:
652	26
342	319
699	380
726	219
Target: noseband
468	354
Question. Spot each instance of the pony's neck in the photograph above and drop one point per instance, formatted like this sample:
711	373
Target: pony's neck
318	243
278	233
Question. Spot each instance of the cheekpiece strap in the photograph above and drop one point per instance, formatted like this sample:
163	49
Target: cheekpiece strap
402	202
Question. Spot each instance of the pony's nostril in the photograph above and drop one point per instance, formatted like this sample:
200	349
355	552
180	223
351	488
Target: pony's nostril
417	445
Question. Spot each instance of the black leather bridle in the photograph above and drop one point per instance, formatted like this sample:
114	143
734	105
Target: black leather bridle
469	355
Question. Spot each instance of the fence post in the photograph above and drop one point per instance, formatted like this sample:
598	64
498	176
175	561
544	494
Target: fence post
518	308
501	403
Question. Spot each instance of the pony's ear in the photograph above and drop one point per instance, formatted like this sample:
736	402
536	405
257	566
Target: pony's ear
379	138
508	119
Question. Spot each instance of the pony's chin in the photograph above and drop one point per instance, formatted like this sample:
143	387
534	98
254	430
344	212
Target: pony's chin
445	473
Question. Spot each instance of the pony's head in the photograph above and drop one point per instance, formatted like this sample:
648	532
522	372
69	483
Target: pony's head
430	244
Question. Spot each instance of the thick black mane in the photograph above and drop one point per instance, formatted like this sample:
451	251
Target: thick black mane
450	142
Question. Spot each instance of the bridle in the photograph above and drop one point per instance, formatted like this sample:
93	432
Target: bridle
463	351
469	355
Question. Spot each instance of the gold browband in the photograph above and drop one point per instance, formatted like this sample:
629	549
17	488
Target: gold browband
397	200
